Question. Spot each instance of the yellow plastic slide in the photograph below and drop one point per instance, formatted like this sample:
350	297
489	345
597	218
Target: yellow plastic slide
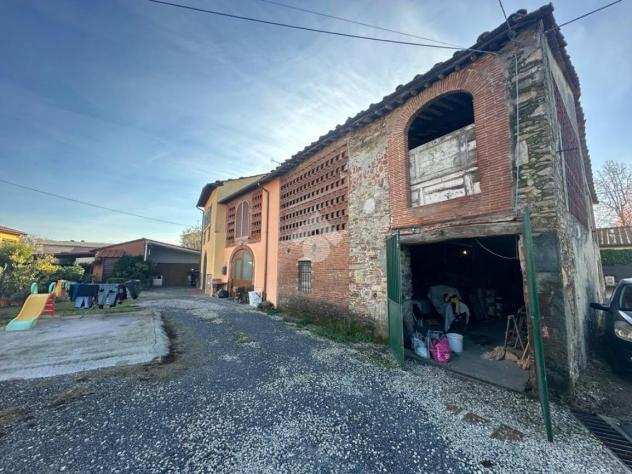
31	310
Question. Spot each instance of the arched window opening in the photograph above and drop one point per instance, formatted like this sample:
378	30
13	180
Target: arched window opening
441	116
242	220
442	150
241	268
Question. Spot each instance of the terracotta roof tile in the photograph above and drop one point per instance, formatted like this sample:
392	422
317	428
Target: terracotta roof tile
487	41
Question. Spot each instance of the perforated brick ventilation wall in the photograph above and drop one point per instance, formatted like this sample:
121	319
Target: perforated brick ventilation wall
314	201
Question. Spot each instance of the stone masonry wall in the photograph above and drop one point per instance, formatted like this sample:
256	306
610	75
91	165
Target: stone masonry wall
566	257
538	187
582	277
369	222
525	170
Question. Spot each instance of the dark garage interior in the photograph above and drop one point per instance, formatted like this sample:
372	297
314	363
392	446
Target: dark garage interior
481	279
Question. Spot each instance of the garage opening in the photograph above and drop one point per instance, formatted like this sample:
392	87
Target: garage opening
467	294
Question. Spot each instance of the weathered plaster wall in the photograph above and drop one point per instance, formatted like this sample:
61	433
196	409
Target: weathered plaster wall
265	277
444	168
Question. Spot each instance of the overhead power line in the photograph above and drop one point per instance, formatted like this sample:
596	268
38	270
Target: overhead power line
314	30
502	7
583	16
91	204
356	22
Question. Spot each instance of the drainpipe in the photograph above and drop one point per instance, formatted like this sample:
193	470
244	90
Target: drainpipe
265	265
202	282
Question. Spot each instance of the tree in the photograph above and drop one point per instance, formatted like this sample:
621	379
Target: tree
614	189
191	237
19	267
69	273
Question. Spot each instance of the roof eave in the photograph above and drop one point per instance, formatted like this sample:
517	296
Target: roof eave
487	41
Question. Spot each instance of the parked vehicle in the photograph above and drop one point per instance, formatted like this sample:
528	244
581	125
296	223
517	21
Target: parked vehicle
618	326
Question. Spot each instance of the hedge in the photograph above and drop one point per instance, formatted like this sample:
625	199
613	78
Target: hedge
616	257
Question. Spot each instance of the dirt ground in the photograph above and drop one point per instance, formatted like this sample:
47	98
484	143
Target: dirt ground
601	391
243	391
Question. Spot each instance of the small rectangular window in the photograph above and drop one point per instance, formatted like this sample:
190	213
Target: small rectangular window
305	276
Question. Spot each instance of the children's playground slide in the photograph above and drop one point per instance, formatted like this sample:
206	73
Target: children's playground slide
34	306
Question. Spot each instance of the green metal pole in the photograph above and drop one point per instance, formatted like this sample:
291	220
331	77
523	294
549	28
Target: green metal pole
536	329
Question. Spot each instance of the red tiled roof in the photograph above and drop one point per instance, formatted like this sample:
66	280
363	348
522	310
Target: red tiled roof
487	41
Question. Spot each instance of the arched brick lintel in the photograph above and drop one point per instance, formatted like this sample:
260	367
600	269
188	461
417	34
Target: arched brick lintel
485	82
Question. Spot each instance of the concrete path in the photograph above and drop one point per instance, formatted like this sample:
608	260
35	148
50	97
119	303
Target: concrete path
246	392
72	344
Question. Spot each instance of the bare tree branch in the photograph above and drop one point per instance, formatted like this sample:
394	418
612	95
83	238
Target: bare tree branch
614	189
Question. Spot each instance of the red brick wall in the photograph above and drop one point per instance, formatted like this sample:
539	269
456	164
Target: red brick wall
134	248
313	220
485	81
330	275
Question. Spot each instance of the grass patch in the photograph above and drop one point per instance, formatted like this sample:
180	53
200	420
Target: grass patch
10	416
8	313
242	338
70	395
336	327
67	308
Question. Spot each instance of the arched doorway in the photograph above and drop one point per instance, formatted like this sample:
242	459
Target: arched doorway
242	269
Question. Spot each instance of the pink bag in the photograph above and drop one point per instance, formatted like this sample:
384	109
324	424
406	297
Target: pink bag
440	350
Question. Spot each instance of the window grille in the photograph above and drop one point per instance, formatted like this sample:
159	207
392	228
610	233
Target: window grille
305	276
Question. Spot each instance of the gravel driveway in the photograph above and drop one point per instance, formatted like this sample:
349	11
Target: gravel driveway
247	392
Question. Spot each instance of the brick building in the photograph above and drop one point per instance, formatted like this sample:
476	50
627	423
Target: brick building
449	162
171	264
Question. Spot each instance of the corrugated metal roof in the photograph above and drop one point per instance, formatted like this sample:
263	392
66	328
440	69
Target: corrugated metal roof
56	247
615	236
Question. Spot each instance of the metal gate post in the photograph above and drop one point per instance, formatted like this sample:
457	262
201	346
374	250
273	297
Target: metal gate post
394	297
536	329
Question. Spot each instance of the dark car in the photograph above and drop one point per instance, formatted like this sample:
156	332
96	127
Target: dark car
618	326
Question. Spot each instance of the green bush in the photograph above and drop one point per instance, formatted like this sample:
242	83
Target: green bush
69	273
616	257
329	321
132	268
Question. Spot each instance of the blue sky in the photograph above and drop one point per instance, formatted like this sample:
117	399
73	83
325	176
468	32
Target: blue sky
136	105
